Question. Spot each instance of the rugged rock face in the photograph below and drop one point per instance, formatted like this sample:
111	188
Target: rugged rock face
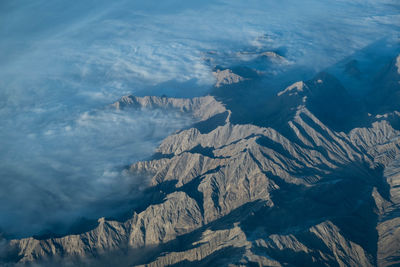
200	107
233	194
226	77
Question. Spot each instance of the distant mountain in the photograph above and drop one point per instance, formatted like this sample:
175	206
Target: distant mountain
385	94
323	95
306	176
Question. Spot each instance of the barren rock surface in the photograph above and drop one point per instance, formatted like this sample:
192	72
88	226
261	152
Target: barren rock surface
226	77
241	194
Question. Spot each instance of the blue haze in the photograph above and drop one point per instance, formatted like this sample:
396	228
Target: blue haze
62	62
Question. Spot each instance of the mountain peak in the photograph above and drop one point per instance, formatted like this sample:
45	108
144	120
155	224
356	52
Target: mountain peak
294	88
226	77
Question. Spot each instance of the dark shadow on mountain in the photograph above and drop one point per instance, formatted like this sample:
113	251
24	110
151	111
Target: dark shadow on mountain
358	71
384	96
217	259
250	102
371	74
331	103
255	101
343	197
291	257
210	124
159	155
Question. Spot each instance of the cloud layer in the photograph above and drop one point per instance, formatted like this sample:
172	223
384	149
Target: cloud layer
61	152
53	172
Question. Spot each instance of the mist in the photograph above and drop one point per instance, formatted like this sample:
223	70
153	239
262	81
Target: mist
63	153
53	172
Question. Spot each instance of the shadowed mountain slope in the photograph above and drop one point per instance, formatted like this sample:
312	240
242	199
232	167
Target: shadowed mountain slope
303	178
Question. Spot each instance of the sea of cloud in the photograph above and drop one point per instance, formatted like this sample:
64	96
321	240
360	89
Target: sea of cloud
62	62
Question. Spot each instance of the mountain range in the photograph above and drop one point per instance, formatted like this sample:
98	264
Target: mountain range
308	175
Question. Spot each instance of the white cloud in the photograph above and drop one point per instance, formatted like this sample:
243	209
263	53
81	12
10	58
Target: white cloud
62	62
72	167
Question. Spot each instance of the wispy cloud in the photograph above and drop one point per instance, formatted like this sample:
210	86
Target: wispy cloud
56	171
62	61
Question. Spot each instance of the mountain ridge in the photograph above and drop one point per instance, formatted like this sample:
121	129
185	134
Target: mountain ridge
239	194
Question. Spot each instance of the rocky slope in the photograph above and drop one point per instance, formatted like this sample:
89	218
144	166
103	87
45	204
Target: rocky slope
304	192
